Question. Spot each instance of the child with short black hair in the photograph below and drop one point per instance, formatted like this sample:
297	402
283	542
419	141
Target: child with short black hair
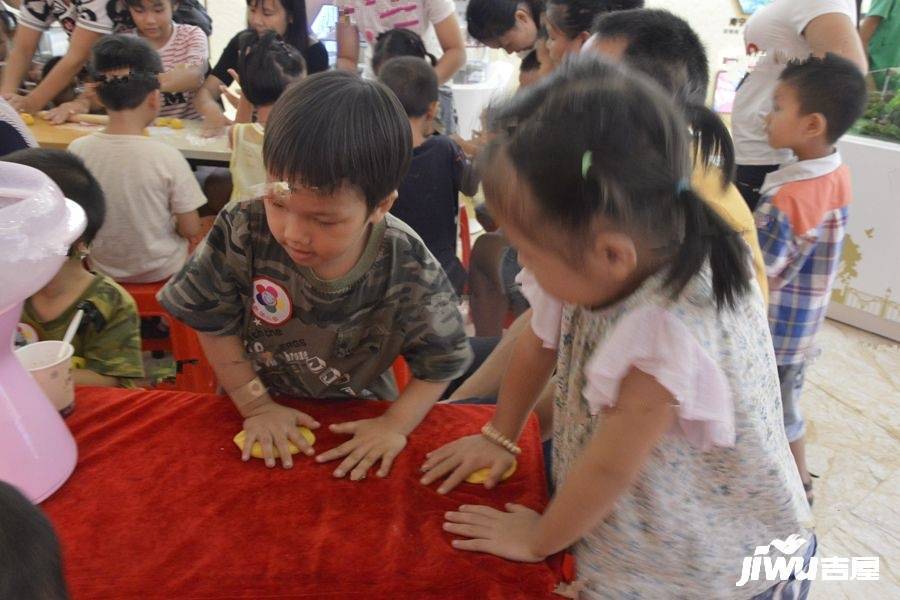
315	289
802	216
108	342
428	199
395	43
269	65
145	237
29	551
664	47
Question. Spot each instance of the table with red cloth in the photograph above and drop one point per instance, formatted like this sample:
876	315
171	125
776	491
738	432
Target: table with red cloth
161	506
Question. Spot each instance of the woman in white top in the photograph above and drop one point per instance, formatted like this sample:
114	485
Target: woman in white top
84	21
782	31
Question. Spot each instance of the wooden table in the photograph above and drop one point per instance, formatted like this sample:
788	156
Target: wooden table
161	506
198	150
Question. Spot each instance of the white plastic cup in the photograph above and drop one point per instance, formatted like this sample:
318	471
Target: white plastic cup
51	371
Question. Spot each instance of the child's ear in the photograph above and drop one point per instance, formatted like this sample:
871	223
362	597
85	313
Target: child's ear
154	100
816	125
383	207
433	110
613	253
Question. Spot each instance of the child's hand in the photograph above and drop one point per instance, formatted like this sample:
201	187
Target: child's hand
463	457
214	125
509	535
273	425
61	113
373	440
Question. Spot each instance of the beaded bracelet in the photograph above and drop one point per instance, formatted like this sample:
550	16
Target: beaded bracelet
501	440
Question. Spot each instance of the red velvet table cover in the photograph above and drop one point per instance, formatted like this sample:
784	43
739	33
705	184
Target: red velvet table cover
161	506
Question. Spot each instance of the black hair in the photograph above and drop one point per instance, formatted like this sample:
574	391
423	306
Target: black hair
595	140
73	178
268	66
667	49
580	14
530	62
831	86
48	66
334	128
297	33
487	20
140	3
29	550
398	42
116	52
413	81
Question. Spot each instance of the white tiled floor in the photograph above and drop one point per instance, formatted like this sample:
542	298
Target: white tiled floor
851	401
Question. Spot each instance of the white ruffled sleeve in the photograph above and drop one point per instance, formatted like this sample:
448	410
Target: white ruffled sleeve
656	342
546	311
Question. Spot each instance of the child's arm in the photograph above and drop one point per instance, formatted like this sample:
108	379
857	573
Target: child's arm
182	78
214	120
382	438
92	378
187	224
487	379
347	44
265	421
608	466
519	392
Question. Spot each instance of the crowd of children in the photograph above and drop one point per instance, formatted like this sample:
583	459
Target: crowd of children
665	328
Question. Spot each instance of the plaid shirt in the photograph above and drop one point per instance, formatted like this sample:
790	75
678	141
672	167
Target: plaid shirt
801	221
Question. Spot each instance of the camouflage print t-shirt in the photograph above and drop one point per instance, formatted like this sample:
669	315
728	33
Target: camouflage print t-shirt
108	341
315	338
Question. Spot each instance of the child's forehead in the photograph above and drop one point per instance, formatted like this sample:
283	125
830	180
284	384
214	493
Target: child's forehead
155	4
300	196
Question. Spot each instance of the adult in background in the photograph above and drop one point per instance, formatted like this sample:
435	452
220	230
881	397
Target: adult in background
783	30
287	18
880	33
85	21
507	24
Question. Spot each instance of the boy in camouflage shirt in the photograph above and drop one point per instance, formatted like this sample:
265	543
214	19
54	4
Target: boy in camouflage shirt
314	290
108	341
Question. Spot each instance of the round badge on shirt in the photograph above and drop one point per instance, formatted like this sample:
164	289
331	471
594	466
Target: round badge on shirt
271	302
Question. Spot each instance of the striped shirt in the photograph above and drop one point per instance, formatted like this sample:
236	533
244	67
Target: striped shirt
186	46
801	221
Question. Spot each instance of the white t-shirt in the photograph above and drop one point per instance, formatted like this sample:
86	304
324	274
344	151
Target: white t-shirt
146	183
88	14
378	16
186	46
777	31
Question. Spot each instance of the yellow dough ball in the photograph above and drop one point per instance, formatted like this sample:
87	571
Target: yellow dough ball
256	450
27	118
176	124
481	475
163	121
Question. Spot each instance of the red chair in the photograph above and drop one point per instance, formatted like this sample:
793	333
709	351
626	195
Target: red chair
465	237
402	374
194	374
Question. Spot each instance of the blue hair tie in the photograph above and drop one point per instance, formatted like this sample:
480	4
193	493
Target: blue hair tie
682	186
